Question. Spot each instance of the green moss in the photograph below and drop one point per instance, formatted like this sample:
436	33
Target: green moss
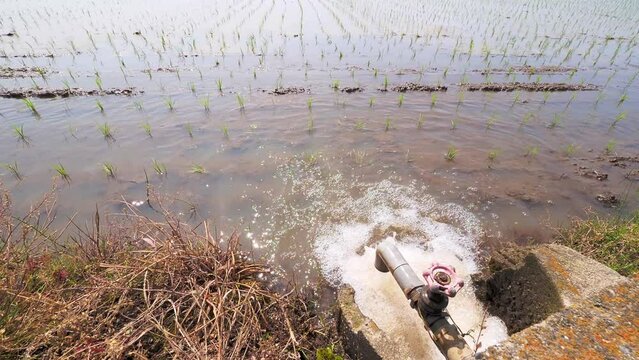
327	353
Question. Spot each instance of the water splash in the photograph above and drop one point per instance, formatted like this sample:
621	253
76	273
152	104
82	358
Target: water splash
424	231
341	220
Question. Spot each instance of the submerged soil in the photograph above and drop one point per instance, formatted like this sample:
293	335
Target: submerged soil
288	91
351	89
498	87
417	87
22	72
64	93
529	69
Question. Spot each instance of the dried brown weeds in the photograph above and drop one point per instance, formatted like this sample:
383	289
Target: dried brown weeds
137	288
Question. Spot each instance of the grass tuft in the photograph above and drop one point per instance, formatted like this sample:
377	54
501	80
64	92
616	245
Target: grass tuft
613	241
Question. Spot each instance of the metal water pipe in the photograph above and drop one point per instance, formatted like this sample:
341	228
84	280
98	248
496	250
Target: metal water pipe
430	299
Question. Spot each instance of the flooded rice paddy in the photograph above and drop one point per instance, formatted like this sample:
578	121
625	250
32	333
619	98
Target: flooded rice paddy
314	126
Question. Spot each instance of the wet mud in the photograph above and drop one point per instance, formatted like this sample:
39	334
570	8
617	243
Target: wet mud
287	91
64	93
22	72
500	87
417	87
528	69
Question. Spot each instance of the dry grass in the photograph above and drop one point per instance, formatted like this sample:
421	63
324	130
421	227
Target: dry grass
135	288
612	241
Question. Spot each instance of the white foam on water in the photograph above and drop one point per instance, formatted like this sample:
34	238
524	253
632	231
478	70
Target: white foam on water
430	232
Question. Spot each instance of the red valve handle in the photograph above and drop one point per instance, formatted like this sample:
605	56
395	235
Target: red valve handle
442	279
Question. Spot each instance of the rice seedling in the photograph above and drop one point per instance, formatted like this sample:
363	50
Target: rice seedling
30	105
14	170
147	129
109	170
62	172
359	156
98	81
433	99
526	119
106	131
401	100
532	152
225	131
359	125
622	99
517	97
100	106
240	101
311	158
570	150
310	124
460	98
138	105
309	104
159	168
600	97
546	96
170	104
618	118
388	124
451	153
556	121
492	120
492	157
453	124
385	84
197	169
18	131
189	130
371	101
193	89
335	85
611	145
420	121
206	104
218	82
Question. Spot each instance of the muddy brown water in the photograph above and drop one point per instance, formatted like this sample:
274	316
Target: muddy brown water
276	168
